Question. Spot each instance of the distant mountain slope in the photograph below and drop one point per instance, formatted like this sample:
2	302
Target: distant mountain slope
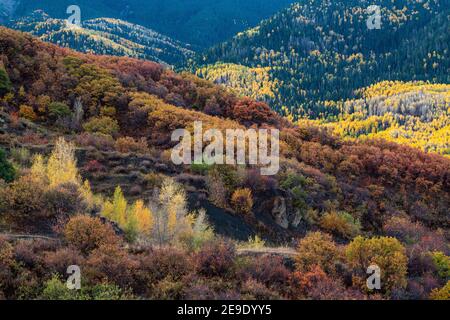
244	81
7	8
105	36
201	23
322	50
411	113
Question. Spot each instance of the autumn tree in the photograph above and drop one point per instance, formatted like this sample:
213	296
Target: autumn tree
242	201
62	165
341	224
385	252
88	233
135	220
171	216
317	249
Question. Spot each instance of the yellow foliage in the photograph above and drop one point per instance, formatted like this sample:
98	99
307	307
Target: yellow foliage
411	113
441	294
242	200
62	165
144	217
38	169
255	83
119	213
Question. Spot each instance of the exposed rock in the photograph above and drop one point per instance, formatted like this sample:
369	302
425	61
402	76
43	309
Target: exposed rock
296	218
279	212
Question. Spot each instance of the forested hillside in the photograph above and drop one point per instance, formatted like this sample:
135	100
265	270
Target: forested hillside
412	113
85	172
318	51
105	36
201	23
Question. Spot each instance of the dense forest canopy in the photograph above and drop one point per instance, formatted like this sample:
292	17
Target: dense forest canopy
200	23
319	51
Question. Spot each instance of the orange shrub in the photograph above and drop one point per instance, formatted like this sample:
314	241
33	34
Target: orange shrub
242	200
317	249
27	112
88	233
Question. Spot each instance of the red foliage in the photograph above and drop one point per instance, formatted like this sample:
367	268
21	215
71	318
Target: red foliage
111	263
86	233
216	259
250	112
271	271
94	166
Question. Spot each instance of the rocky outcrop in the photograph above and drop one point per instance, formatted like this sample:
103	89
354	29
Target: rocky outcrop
284	214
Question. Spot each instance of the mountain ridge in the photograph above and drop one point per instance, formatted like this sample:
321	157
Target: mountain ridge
105	36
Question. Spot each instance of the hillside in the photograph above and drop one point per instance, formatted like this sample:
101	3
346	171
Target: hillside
319	51
201	23
411	113
105	36
85	159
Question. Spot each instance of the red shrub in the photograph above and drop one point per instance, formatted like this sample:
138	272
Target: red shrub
94	166
270	270
58	261
87	233
216	259
111	263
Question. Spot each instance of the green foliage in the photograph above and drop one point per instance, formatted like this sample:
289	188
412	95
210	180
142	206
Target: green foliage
228	176
21	156
320	51
202	232
7	171
200	23
340	223
442	264
55	289
104	125
58	110
107	36
385	252
296	185
5	82
201	168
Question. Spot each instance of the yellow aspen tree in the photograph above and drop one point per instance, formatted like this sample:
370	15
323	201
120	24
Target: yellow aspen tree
62	165
144	217
131	225
120	207
108	210
87	195
38	169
